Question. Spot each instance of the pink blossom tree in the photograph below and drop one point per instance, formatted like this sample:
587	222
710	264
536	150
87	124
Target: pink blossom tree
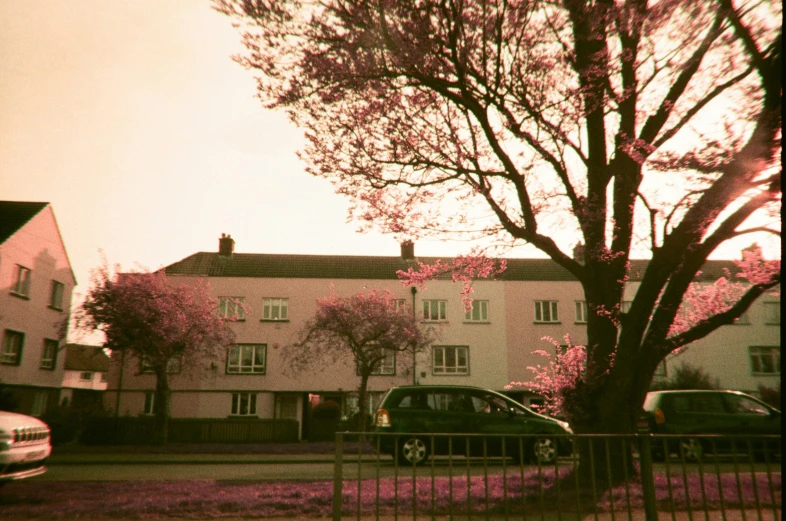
628	126
364	330
160	323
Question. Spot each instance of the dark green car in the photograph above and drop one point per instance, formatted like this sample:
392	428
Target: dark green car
737	416
418	411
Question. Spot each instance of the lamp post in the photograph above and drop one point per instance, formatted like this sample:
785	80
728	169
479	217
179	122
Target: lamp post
414	291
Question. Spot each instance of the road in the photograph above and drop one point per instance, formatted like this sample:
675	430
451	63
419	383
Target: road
306	470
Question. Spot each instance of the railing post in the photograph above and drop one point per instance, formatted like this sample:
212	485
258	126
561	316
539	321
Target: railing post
647	479
338	476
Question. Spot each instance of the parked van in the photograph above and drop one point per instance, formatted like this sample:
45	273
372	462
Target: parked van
729	413
417	411
24	446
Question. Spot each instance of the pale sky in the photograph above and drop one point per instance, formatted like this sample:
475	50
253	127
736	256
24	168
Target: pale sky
131	119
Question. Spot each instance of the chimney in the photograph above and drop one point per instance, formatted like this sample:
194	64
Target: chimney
407	250
578	253
226	245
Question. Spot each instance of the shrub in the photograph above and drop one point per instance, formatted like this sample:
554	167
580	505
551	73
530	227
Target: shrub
687	377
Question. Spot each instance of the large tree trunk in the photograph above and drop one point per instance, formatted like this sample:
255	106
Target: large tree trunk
161	408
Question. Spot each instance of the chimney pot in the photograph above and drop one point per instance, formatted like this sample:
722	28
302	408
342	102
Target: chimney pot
226	245
407	250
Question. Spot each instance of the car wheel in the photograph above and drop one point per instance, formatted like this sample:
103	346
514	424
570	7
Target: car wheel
691	449
413	451
544	451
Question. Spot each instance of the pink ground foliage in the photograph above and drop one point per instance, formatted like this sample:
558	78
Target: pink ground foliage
216	499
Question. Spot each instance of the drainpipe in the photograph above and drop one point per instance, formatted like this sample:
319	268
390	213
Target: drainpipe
414	291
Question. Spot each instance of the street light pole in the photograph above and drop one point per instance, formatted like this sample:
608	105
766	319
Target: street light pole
414	291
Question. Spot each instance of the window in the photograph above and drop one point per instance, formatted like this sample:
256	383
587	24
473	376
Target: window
21	285
479	311
49	355
40	399
56	295
104	376
772	313
246	359
742	405
400	305
244	404
450	360
86	376
546	311
12	348
765	360
173	366
581	312
386	366
231	307
275	309
435	310
150	401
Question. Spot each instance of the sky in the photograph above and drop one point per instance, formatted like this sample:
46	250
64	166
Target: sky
131	119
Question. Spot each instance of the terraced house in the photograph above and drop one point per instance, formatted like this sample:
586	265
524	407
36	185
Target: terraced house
490	345
36	282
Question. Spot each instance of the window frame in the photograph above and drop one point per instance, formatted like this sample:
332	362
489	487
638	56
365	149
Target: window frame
22	281
149	405
442	369
86	376
145	367
483	313
56	295
229	366
236	404
269	304
581	311
228	308
385	363
772	352
553	313
49	363
441	310
4	349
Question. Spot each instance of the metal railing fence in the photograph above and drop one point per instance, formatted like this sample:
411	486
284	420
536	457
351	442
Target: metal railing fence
609	477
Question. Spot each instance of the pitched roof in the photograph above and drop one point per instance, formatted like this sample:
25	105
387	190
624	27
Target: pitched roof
80	357
14	215
261	265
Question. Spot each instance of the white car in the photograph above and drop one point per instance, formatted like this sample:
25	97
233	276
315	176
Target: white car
24	446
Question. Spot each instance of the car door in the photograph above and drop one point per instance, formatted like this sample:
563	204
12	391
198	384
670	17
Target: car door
747	416
493	417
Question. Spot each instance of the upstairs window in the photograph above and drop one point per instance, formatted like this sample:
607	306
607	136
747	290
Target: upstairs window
49	355
479	312
86	376
765	360
581	312
275	309
450	360
56	295
246	359
173	366
386	366
435	310
231	307
546	311
21	285
11	353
